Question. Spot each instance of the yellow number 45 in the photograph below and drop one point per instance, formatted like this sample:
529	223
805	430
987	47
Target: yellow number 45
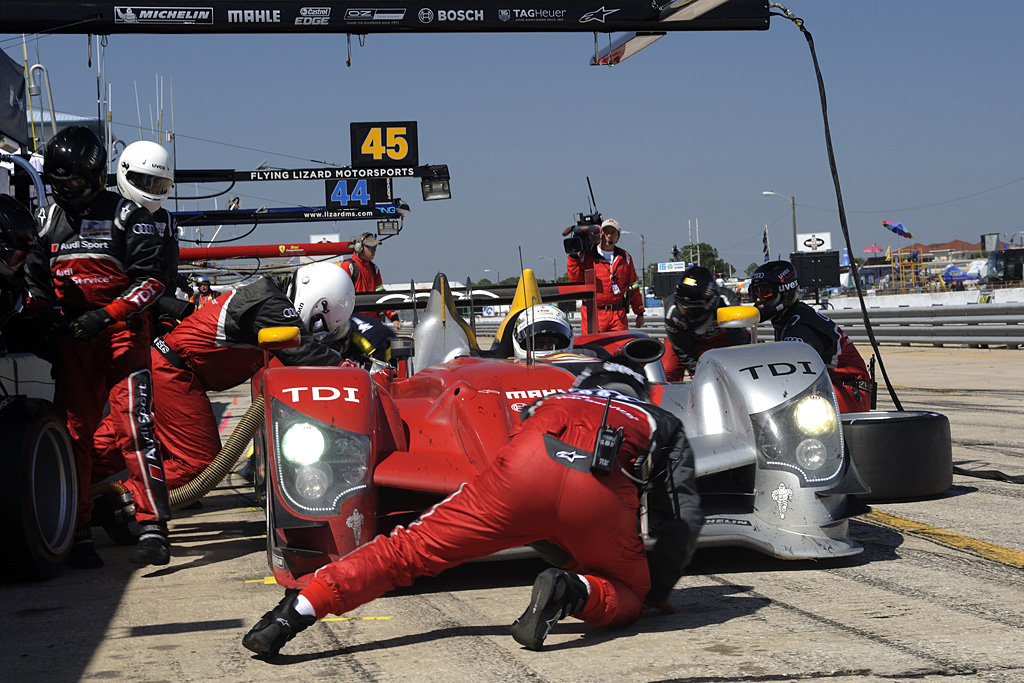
397	147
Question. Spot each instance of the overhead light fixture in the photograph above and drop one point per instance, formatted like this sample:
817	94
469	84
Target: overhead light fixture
388	227
436	189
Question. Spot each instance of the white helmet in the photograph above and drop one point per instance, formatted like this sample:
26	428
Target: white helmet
324	298
545	329
144	174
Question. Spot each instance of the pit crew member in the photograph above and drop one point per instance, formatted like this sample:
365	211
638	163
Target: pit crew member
216	348
542	487
365	274
775	290
617	286
203	295
99	264
691	323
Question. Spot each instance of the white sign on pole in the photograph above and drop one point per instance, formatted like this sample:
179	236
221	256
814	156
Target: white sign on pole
814	241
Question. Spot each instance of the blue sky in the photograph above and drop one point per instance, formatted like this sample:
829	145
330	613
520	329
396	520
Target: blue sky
925	109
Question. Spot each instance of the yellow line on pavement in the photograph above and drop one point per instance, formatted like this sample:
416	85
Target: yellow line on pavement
948	538
354	618
266	581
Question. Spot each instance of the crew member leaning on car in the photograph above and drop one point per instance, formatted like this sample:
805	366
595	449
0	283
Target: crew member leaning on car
691	323
544	485
775	291
98	261
617	286
216	348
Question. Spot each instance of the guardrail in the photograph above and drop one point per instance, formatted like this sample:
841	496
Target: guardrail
977	325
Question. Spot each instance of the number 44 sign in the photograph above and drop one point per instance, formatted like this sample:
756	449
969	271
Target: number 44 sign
362	194
384	145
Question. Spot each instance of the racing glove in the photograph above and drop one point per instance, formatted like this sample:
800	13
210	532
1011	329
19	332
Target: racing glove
90	323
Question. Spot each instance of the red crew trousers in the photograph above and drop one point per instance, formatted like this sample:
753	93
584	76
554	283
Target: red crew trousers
607	321
114	366
185	426
524	496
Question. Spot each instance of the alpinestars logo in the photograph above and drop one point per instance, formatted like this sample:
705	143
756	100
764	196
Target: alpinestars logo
162	15
571	456
597	15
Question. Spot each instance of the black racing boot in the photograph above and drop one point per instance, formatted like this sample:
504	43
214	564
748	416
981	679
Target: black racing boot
114	521
153	546
276	628
556	595
83	551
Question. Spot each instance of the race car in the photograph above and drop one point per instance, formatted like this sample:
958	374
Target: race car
345	454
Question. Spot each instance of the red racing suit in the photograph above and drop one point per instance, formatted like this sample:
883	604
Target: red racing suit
108	257
366	277
617	287
540	488
849	375
683	346
213	349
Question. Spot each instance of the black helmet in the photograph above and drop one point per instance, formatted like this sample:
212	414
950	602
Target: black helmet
774	287
620	373
17	237
75	167
697	298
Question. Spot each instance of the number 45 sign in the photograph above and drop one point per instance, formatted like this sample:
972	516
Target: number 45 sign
384	145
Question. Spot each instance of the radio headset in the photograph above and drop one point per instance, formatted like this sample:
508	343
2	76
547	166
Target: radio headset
606	448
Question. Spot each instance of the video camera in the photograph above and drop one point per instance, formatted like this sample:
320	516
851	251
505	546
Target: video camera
585	234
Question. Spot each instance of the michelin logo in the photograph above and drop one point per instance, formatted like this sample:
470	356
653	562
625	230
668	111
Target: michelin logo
162	15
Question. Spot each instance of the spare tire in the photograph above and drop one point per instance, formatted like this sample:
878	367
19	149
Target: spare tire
900	455
39	493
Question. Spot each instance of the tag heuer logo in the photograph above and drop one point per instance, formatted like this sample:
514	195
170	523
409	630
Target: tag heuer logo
504	14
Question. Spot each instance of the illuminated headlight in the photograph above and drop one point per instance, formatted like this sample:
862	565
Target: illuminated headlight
302	443
317	465
802	435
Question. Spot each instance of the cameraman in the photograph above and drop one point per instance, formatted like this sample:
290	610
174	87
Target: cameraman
617	286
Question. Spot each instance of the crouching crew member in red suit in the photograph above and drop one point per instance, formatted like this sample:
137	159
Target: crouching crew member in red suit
775	290
544	485
691	323
216	348
366	275
100	265
617	286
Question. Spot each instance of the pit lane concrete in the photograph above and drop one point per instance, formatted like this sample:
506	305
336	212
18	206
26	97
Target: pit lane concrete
918	604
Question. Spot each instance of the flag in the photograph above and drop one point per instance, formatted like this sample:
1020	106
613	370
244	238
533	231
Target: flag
888	253
764	243
897	228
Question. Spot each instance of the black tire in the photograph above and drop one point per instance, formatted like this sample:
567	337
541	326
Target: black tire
901	455
39	494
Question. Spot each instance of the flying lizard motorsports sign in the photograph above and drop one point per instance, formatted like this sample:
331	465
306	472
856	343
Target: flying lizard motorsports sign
379	16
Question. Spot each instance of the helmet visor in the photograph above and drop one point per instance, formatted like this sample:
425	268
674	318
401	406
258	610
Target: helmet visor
762	292
149	184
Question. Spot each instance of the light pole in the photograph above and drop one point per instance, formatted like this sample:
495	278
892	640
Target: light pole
554	267
643	259
792	205
496	274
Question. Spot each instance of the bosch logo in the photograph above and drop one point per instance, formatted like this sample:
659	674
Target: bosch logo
460	15
426	15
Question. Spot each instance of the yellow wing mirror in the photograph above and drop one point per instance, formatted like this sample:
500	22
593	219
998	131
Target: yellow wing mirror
273	338
740	316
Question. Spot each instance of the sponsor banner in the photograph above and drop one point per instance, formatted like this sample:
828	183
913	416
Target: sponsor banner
326	173
271	16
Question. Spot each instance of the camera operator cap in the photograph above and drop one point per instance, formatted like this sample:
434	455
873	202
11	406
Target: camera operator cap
367	239
611	223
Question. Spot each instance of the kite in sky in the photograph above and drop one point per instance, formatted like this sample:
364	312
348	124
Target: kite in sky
897	228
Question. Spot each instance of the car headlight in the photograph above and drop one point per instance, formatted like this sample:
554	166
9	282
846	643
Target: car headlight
302	443
318	465
802	435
